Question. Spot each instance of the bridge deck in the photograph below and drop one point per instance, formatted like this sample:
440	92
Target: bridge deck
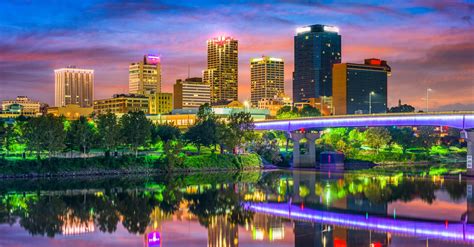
459	120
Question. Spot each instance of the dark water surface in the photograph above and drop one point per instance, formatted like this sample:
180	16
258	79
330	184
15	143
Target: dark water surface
275	208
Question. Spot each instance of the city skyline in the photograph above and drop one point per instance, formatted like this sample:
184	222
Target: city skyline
426	43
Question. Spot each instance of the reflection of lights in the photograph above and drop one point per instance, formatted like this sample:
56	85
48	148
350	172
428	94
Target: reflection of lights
456	231
276	233
258	234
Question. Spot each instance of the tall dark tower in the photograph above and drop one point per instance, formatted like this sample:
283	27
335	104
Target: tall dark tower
317	48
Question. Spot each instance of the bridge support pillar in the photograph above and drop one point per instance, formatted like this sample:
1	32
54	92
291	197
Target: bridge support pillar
469	137
308	157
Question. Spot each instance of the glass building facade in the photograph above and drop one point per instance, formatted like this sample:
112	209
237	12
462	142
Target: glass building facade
317	48
360	88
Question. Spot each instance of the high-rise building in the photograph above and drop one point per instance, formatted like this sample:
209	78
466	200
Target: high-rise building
28	106
145	77
360	88
222	69
161	103
121	104
191	93
317	48
73	86
266	78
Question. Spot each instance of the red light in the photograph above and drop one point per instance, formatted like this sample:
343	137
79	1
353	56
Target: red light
339	242
375	62
376	244
302	206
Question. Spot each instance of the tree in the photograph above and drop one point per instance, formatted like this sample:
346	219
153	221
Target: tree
287	112
309	111
205	131
401	108
109	132
135	130
426	137
166	132
404	137
377	137
82	134
45	133
240	128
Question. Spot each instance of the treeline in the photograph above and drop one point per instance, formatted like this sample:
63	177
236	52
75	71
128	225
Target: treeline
132	132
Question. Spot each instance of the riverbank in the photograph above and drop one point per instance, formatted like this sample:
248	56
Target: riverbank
99	166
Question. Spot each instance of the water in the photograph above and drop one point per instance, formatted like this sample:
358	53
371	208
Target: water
277	208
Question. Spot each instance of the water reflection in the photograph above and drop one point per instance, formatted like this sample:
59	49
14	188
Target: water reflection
272	208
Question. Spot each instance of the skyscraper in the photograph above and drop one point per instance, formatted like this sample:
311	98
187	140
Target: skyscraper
73	86
317	48
360	88
222	69
191	93
145	76
266	78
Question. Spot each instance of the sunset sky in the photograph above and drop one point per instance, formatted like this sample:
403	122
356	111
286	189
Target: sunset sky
427	43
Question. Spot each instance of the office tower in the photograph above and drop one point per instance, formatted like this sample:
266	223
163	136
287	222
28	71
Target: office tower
145	77
121	104
266	78
27	106
222	69
360	88
73	86
161	103
191	93
317	48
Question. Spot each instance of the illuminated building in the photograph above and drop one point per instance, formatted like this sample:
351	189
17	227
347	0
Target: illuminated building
182	121
160	103
360	88
145	76
71	112
191	93
222	232
26	106
266	78
73	225
222	69
73	86
317	48
274	104
121	104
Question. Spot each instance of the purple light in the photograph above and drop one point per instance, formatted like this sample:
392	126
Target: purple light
419	229
154	239
459	121
153	59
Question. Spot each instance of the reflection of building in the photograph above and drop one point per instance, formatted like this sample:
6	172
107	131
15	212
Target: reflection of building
221	232
222	69
160	103
267	227
73	225
71	112
26	106
317	48
191	93
145	76
358	87
121	104
73	86
152	232
266	78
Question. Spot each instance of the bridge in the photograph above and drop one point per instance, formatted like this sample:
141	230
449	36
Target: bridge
464	121
458	232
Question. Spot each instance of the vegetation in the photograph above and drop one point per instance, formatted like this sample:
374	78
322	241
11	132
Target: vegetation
401	108
288	112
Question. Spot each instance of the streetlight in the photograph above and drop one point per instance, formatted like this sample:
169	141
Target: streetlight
370	101
427	94
246	105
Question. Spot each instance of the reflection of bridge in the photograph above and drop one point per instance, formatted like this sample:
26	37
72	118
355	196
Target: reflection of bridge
462	121
420	229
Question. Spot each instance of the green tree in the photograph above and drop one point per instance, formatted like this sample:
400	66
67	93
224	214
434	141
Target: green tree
166	132
426	137
45	133
239	129
109	132
205	131
174	157
404	137
377	137
136	130
82	134
309	111
287	112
